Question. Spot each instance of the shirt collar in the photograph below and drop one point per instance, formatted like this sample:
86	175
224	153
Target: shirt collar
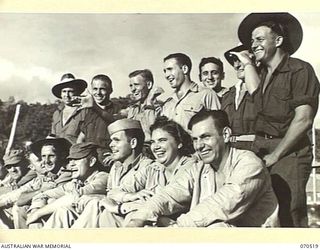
134	164
91	177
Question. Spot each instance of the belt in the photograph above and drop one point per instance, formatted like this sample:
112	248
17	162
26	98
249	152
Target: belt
236	138
267	136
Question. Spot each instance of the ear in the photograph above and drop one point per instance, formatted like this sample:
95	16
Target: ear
92	161
149	84
179	145
200	78
222	76
226	132
279	41
133	143
185	69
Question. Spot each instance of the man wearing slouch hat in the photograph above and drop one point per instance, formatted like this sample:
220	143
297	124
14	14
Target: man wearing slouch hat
286	102
87	179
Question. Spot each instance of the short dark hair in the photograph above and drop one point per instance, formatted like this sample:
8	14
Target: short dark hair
103	78
145	73
219	117
213	60
176	131
280	30
138	134
182	59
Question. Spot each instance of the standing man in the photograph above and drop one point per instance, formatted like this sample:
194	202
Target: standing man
211	75
144	109
67	119
231	187
188	98
99	116
286	102
238	102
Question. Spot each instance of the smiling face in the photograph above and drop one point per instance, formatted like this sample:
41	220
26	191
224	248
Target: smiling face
174	73
239	68
208	142
48	158
15	171
67	95
120	146
101	91
164	146
139	88
80	167
211	75
36	164
263	44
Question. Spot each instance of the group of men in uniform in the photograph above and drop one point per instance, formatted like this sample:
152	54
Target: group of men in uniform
252	155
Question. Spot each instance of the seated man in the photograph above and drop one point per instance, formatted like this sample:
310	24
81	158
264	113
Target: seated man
126	145
18	174
47	157
230	188
87	180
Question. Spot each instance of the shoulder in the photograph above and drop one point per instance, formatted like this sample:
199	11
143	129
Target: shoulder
296	64
101	175
246	160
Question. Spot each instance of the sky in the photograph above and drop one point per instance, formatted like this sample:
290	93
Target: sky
36	49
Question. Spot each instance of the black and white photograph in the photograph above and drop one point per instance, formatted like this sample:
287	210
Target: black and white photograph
114	120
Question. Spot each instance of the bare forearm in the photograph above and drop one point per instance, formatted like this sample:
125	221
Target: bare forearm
252	79
297	129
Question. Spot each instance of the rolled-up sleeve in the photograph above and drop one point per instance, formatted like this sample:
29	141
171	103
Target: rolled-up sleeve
305	87
211	100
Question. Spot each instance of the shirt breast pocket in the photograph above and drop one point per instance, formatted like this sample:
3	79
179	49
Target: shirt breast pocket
192	108
280	101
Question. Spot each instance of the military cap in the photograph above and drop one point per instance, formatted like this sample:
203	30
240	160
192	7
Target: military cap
60	144
82	150
123	124
232	58
13	157
78	85
292	26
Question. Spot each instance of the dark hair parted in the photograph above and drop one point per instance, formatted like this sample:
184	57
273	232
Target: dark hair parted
145	73
176	131
213	60
219	117
103	78
182	59
280	30
138	134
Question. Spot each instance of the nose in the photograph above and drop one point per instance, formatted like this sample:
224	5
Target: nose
254	44
209	76
155	146
198	145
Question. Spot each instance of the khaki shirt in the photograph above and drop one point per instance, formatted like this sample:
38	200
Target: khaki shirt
120	173
196	98
146	114
151	177
240	193
71	129
96	183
